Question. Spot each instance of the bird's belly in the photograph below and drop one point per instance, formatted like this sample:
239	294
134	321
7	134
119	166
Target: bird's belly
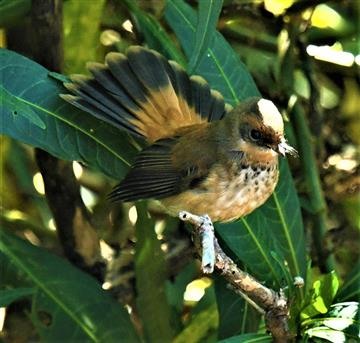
227	195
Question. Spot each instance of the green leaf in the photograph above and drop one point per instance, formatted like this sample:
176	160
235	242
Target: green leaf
75	305
220	65
208	15
201	321
156	37
351	287
322	295
70	133
199	326
11	11
236	315
340	324
150	273
327	334
10	103
248	338
8	296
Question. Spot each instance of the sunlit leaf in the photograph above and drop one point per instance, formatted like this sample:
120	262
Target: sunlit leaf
327	334
340	324
322	295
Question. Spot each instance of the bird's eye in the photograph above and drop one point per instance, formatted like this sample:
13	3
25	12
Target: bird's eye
255	134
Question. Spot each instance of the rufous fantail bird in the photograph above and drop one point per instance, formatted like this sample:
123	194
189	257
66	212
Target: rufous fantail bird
203	156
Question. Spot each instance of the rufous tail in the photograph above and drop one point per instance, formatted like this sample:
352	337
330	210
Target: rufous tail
145	94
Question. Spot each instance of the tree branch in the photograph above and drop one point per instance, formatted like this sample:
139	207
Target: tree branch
274	305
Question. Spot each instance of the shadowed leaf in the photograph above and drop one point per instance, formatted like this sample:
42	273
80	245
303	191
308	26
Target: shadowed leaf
65	297
350	290
208	15
150	274
220	65
8	296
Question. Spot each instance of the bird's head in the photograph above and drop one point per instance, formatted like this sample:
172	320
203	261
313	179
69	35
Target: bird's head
261	126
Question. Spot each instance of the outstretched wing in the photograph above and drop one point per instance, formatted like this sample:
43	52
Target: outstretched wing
145	94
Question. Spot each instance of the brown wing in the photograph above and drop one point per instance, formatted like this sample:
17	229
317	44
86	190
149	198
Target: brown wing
154	175
145	94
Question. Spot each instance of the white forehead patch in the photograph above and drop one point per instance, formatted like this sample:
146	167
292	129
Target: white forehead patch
271	115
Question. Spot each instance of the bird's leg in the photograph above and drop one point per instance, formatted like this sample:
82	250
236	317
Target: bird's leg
205	229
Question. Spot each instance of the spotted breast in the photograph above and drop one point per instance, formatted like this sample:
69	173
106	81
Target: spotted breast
230	191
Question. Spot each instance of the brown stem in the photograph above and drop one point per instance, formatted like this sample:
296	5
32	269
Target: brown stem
77	236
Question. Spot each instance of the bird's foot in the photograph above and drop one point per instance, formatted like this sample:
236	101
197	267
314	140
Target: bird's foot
205	229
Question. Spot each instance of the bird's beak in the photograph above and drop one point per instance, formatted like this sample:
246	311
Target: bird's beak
283	148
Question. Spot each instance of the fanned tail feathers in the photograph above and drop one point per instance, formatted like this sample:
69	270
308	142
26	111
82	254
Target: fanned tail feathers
145	94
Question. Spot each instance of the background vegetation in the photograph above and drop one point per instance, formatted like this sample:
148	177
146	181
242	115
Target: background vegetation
133	276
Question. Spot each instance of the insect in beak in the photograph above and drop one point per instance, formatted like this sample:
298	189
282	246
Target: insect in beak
283	148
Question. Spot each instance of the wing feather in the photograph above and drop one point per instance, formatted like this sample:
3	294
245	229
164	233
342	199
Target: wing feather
151	176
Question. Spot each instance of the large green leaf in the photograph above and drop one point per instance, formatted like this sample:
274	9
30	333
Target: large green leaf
75	305
70	134
237	315
220	65
19	108
208	15
155	35
276	226
321	296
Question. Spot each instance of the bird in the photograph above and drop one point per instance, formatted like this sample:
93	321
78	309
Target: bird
202	155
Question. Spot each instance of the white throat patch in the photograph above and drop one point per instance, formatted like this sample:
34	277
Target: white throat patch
271	115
